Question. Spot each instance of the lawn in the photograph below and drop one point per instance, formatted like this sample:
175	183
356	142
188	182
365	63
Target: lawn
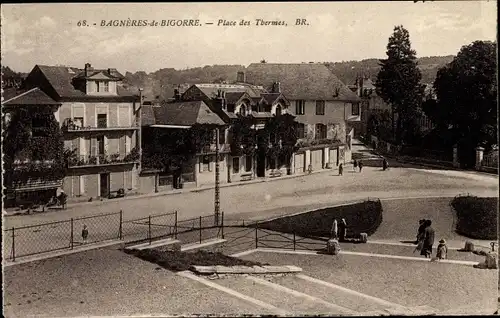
180	261
363	217
477	217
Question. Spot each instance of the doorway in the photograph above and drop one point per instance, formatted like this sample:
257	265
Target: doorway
261	164
104	178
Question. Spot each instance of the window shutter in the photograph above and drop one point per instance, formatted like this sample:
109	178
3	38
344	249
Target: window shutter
93	146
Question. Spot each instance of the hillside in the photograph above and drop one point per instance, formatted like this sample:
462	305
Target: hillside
163	82
347	71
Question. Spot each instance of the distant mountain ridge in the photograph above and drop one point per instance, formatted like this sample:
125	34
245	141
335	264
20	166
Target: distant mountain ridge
162	83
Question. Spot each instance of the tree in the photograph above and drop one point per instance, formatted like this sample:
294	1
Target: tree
280	137
243	136
398	84
41	145
466	102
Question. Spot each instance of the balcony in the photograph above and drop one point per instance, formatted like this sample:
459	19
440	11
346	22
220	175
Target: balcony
211	148
70	125
84	161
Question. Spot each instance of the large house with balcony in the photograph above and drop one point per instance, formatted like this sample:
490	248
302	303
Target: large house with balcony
323	105
100	123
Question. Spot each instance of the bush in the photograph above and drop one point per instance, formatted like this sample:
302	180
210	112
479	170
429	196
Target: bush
181	261
364	217
477	217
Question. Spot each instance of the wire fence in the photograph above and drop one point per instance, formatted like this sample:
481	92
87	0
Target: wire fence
76	232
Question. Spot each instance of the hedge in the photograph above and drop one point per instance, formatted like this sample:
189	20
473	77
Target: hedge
363	217
477	217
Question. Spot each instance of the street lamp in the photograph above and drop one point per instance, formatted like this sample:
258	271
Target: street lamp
217	181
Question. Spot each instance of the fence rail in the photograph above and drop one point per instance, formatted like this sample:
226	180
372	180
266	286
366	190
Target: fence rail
68	234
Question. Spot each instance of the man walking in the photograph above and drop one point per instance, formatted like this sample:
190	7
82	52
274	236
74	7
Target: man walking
428	240
360	164
341	169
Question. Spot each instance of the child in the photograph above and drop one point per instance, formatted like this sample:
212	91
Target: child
341	169
85	234
442	250
355	165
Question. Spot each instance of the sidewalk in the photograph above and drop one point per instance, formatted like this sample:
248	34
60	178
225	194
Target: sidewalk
181	191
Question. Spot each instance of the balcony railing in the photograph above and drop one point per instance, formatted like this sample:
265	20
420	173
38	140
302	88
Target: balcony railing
101	160
211	148
70	126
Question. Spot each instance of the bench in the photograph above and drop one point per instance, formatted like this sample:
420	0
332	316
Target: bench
275	173
120	193
246	177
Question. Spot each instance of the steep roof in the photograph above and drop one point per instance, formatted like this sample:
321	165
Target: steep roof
211	89
33	96
185	114
61	79
301	81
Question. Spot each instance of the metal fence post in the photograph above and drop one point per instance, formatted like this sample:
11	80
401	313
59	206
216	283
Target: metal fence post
121	225
175	226
72	235
149	229
294	240
222	225
256	236
200	229
13	246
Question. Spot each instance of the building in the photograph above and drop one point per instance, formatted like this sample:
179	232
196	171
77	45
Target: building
100	122
171	117
233	101
323	105
29	177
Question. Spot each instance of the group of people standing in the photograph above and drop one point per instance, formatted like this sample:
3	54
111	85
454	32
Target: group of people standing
339	230
425	241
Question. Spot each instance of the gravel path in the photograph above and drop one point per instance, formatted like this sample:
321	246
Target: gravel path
441	286
108	282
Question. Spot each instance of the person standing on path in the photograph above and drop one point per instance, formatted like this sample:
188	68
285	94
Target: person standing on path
428	240
355	165
360	164
334	232
341	169
85	234
384	164
342	230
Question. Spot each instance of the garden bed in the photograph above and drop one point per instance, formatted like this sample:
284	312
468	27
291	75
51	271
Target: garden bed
477	217
363	217
181	261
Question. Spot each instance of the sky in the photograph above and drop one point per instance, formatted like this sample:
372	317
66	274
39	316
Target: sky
49	34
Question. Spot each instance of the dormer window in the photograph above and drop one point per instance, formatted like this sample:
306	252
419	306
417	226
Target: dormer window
243	110
102	86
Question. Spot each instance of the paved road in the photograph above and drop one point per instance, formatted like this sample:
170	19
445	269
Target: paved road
262	200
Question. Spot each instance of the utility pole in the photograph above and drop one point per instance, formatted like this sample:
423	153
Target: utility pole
217	182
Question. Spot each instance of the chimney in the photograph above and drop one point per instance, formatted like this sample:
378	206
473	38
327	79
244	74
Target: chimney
277	87
240	77
177	95
220	100
88	69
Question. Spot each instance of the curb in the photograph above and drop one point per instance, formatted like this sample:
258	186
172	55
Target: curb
218	269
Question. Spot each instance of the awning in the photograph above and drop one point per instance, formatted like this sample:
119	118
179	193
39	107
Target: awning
37	187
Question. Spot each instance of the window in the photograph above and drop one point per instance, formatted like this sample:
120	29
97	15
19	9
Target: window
300	107
236	165
100	143
320	132
355	109
278	110
301	130
320	107
205	164
248	164
243	110
102	120
102	86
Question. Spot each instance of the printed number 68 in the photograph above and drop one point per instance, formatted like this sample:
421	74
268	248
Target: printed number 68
82	23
